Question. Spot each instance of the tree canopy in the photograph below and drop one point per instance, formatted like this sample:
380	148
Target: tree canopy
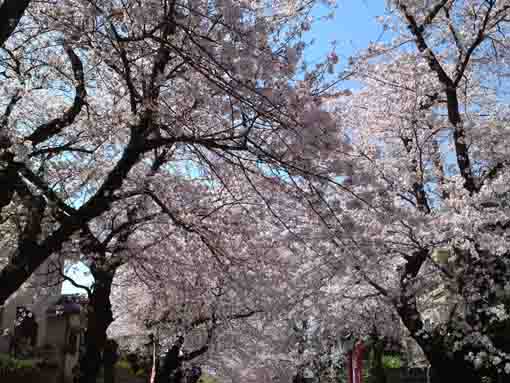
243	204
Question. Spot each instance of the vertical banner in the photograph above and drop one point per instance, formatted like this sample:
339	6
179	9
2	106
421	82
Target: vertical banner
359	349
355	363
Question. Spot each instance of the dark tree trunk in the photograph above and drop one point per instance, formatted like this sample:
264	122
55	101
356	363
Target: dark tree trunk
171	368
110	357
11	12
299	377
99	317
447	369
172	371
446	366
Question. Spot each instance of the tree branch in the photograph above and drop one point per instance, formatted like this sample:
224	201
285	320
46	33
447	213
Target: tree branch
205	142
45	131
12	103
434	11
73	282
480	36
459	136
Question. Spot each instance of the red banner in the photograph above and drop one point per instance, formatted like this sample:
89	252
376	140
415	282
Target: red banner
355	363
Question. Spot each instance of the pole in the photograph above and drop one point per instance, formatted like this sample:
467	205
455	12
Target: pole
153	372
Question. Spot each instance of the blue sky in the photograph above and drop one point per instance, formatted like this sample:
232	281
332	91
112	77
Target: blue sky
353	27
80	274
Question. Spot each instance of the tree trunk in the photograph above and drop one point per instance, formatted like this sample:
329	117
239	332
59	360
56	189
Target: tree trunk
446	366
11	12
110	357
298	378
377	374
447	369
99	317
171	369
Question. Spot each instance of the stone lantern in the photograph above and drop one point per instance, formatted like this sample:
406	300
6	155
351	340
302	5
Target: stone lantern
65	325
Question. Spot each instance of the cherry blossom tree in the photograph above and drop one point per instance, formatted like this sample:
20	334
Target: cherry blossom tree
167	83
233	274
184	319
420	203
188	249
145	132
